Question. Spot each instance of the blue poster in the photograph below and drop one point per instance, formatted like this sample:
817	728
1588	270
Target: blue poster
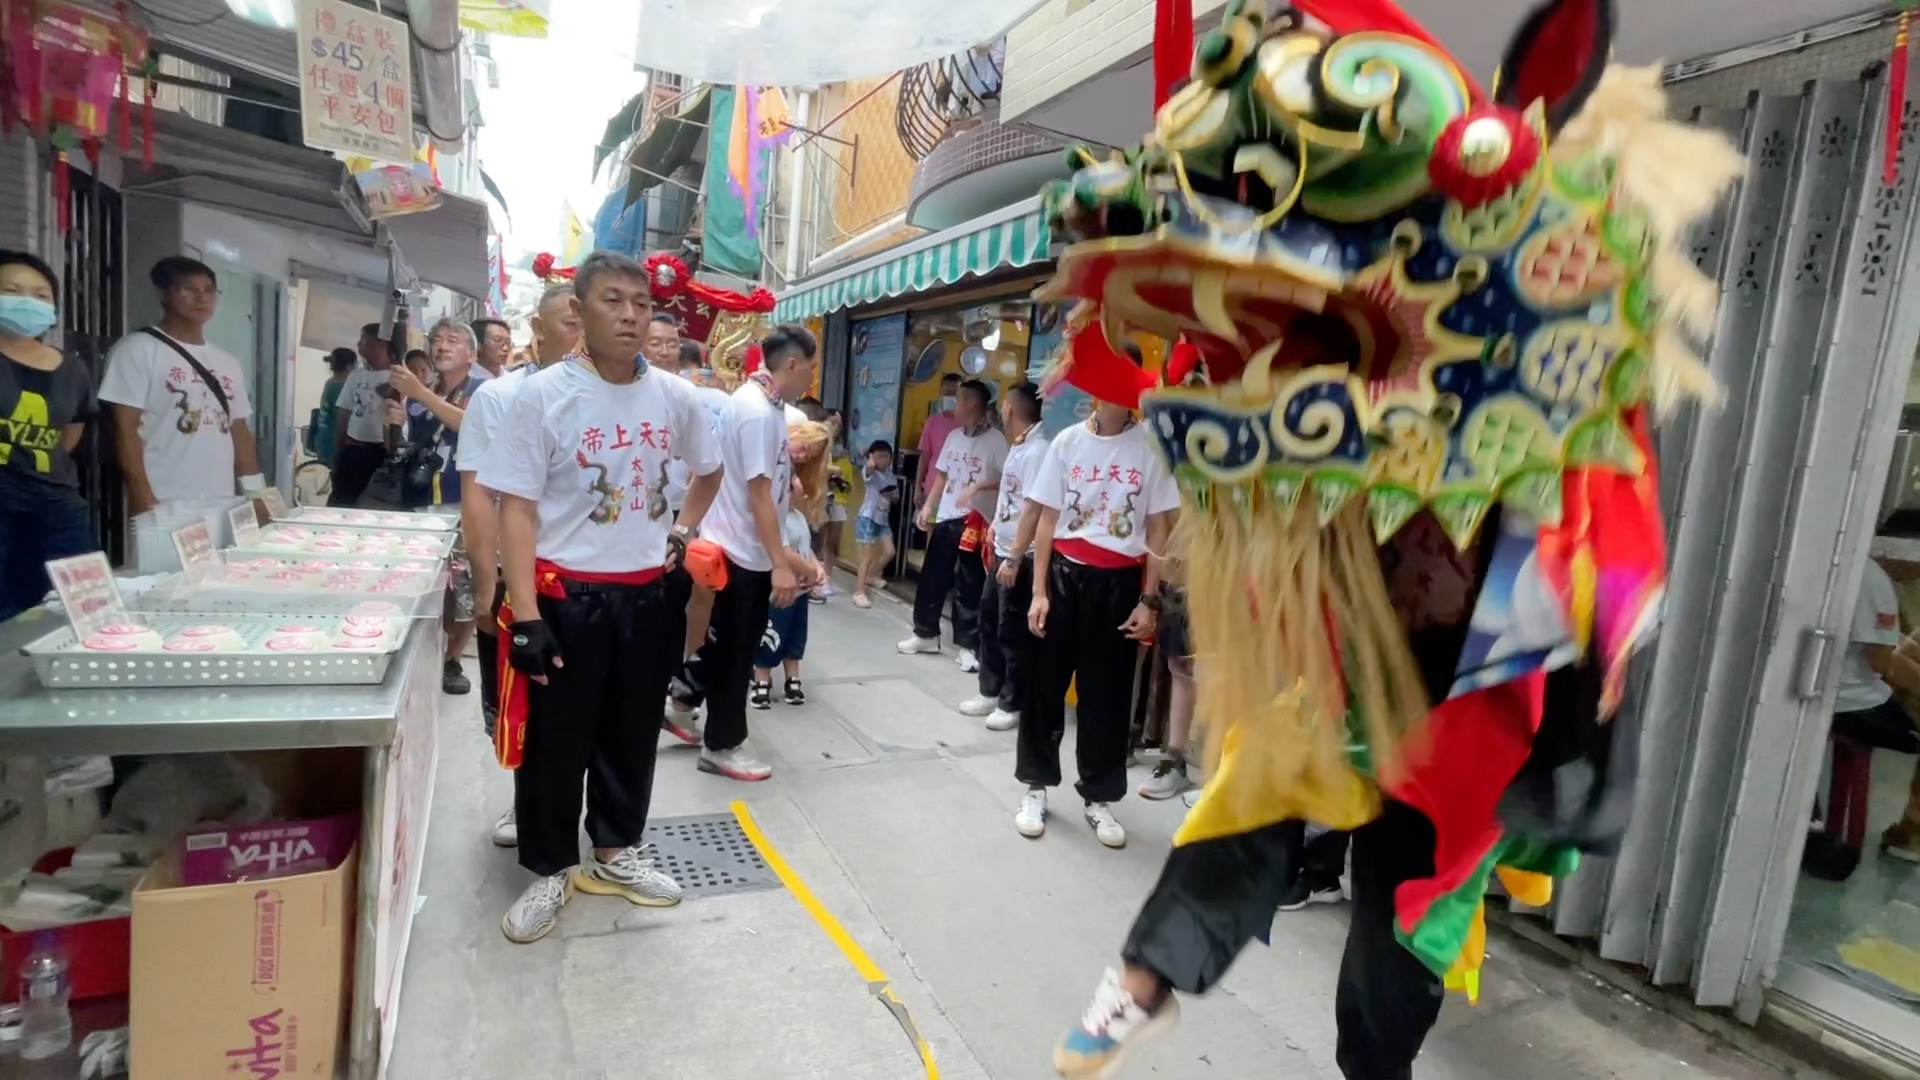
1064	405
879	355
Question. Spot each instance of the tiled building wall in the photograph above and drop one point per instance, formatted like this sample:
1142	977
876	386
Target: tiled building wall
1067	42
873	186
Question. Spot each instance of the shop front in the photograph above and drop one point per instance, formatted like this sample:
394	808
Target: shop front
1772	868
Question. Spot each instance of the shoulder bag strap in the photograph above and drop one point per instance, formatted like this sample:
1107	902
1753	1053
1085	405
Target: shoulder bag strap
199	369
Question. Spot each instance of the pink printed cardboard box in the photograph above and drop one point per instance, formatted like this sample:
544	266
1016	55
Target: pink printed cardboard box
246	977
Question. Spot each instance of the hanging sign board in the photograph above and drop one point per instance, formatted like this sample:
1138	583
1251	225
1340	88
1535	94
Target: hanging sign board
356	81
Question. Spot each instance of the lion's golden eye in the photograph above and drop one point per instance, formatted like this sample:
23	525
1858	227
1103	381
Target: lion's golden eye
1286	73
1192	118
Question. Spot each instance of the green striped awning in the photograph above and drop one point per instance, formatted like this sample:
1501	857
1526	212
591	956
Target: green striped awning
1014	236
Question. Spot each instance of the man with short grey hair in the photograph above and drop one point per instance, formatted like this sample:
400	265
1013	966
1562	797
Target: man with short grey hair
433	426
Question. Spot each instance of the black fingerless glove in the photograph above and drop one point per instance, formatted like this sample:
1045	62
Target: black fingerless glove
531	647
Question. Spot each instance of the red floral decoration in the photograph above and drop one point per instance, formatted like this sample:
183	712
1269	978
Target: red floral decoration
544	269
1482	154
666	275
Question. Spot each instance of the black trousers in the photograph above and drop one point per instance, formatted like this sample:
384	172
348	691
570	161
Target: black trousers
1216	896
1083	645
946	571
353	465
1325	859
599	716
719	672
1008	650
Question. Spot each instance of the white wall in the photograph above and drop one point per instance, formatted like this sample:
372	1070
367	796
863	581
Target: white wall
1067	42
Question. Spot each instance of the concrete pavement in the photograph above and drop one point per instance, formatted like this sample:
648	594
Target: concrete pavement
897	813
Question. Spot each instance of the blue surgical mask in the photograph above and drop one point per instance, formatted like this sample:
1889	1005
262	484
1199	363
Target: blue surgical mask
26	316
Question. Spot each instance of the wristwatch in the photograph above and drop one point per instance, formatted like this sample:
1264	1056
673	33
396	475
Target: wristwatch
1152	602
686	532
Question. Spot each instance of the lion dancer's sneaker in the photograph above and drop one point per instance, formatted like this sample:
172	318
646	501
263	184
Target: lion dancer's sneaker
1114	1026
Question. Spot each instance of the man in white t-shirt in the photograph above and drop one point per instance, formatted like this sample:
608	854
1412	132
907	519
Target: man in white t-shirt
966	484
1007	648
1107	503
578	463
360	418
556	333
746	523
180	405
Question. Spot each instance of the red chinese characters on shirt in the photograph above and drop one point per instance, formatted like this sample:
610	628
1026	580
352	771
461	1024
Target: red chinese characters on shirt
637	456
1096	492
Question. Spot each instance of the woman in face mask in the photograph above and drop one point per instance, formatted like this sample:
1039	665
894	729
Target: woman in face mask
46	399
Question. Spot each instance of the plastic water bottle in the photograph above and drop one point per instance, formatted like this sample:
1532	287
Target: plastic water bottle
48	1029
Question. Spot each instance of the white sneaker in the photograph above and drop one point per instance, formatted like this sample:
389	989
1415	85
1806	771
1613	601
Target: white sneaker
734	764
537	912
1113	1026
1105	827
629	875
978	706
1002	720
917	644
1168	780
682	723
506	831
968	662
1031	819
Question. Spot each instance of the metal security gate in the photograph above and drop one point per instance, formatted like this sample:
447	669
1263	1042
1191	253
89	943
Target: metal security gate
93	305
1771	501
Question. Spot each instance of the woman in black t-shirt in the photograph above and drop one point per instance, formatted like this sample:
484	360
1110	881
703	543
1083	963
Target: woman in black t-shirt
46	399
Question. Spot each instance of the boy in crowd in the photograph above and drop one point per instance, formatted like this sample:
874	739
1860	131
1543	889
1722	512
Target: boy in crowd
1107	502
1006	646
872	526
966	484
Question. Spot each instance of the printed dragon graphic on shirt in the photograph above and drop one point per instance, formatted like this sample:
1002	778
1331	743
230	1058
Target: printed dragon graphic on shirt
1012	498
1113	491
637	455
195	404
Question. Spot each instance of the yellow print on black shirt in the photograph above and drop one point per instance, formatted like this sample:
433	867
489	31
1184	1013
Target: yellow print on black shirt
29	429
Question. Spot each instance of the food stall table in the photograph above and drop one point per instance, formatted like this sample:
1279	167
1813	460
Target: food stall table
393	722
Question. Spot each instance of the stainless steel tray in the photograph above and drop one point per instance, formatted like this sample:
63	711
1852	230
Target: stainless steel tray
62	664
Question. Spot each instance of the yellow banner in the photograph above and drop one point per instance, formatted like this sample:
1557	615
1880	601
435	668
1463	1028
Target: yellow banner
575	239
508	18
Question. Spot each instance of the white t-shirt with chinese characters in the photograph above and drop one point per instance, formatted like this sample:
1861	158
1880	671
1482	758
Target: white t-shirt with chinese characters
1104	486
366	408
486	411
969	459
594	455
187	435
1023	459
755	445
718	405
1876	621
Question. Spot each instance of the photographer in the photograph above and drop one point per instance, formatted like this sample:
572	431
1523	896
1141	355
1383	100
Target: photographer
425	462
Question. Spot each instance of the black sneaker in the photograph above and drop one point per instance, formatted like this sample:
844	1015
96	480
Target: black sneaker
760	696
453	680
1304	892
795	695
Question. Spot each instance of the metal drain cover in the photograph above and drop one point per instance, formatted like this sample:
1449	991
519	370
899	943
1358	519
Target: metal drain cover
709	856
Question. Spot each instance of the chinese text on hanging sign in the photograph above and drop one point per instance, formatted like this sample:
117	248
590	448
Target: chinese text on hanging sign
356	81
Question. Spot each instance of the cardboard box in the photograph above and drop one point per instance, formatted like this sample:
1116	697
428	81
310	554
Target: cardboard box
247	978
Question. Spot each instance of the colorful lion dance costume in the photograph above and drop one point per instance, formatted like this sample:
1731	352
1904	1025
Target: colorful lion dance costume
1420	525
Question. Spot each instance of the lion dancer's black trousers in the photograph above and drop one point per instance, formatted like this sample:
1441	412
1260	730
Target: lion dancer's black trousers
1216	896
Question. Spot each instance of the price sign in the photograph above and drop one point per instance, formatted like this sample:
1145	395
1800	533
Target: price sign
194	544
356	81
246	527
275	503
88	592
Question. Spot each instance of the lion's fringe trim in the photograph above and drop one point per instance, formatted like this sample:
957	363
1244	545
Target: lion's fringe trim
1673	173
1268	590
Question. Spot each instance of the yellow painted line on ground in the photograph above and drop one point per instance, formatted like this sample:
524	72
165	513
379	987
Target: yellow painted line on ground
877	982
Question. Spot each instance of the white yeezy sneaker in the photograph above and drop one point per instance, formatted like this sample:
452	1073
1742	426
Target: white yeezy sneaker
1105	827
630	875
537	912
1002	720
1031	819
917	644
969	662
506	831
